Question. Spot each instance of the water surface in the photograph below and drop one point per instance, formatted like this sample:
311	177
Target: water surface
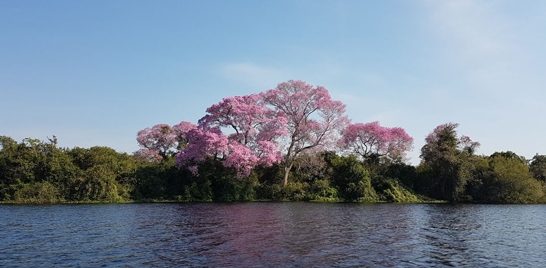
273	235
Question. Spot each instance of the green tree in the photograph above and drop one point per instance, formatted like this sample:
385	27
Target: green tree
450	160
538	167
8	165
350	178
509	181
405	173
106	175
30	162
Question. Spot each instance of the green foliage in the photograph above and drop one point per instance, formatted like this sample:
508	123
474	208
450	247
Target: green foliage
350	178
426	182
41	192
35	171
509	155
293	191
231	188
447	164
478	170
309	181
391	190
509	181
405	173
106	176
99	184
197	191
152	181
321	190
538	167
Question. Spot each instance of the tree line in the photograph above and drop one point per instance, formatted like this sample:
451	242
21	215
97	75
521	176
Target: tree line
34	171
292	142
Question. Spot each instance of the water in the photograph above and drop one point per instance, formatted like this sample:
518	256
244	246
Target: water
273	235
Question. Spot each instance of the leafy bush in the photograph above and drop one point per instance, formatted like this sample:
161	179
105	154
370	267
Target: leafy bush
321	190
350	178
391	190
41	192
509	181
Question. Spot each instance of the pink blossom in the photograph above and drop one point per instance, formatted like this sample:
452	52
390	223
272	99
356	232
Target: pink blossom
149	155
246	131
312	117
466	144
249	124
241	158
157	140
202	145
194	170
373	139
163	140
180	131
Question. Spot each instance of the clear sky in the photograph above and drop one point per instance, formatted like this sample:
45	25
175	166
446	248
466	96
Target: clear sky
96	72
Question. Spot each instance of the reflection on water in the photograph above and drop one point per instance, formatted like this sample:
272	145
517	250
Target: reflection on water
273	235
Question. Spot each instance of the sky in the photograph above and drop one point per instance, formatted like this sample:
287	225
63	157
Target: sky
96	72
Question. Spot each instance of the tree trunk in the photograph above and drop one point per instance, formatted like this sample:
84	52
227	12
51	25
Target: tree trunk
287	169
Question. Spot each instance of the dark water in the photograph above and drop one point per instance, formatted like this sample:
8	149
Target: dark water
273	235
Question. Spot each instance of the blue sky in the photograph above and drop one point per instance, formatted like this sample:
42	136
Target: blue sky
96	72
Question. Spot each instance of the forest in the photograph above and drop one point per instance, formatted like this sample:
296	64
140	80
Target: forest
289	143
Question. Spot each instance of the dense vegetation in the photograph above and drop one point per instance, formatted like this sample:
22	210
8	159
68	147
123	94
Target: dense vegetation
34	171
288	143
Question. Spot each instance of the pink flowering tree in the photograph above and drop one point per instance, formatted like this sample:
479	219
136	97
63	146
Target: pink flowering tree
371	140
251	130
312	118
162	140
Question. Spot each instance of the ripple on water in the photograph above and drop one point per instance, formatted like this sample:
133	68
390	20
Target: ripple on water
272	235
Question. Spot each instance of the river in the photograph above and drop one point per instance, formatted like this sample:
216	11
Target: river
272	235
